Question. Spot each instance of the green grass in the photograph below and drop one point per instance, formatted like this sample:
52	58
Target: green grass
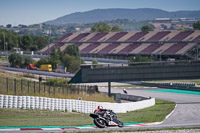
152	114
29	118
43	90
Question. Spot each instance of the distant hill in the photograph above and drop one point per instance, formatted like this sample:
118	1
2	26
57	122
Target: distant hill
112	14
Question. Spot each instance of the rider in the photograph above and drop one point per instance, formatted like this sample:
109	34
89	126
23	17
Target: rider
102	111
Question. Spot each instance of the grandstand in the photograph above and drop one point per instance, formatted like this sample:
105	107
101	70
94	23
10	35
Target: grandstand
125	44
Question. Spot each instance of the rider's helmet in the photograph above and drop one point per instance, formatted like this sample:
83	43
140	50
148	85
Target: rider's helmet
100	107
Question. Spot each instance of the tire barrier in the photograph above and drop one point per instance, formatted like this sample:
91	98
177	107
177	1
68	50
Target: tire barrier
69	105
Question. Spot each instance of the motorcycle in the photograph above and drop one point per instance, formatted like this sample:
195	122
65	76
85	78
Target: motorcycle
104	117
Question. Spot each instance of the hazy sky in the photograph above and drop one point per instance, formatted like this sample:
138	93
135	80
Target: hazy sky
27	12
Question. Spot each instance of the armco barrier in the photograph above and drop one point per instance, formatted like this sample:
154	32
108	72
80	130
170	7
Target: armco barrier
179	86
30	102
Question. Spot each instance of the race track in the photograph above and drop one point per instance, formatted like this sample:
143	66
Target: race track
186	113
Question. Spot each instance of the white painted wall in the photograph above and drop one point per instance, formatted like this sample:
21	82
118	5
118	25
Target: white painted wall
31	102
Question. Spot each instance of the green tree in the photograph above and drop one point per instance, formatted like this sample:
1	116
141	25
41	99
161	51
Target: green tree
94	61
67	60
139	58
196	25
27	60
115	29
71	62
42	61
146	28
181	28
15	60
73	50
74	66
100	27
40	41
26	42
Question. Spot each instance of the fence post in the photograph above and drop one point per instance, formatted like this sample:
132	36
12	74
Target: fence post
28	86
39	87
49	90
62	89
21	87
7	84
44	89
34	87
15	86
54	90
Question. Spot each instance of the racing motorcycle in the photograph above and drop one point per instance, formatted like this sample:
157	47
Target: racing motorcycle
104	117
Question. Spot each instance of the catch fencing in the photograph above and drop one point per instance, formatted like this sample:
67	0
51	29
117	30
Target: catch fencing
69	105
12	86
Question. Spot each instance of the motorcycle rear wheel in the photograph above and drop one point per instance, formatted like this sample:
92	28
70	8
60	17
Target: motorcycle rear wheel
99	123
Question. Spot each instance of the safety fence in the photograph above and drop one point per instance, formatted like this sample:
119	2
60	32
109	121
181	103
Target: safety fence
69	105
12	86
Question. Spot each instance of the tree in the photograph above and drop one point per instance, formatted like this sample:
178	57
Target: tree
181	28
26	41
71	62
74	66
27	60
73	50
40	41
139	58
196	25
15	60
42	61
115	29
67	60
94	61
100	27
146	28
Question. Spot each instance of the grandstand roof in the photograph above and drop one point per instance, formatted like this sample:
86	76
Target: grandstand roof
128	43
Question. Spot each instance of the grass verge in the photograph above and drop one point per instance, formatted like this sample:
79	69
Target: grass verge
29	118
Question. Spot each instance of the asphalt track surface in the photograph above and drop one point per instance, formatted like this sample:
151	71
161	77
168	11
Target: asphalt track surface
186	113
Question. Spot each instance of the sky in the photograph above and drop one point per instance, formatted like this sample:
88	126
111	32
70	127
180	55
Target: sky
28	12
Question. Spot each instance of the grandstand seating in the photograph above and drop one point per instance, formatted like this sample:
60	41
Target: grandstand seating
197	38
158	36
116	36
137	36
119	48
63	37
99	48
150	49
108	48
89	48
97	37
129	48
186	48
140	48
174	48
181	35
79	37
55	46
127	43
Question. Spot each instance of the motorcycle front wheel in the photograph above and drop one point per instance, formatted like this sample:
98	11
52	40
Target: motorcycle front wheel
120	124
99	123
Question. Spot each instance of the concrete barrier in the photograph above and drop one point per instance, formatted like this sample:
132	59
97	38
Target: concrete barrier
30	102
